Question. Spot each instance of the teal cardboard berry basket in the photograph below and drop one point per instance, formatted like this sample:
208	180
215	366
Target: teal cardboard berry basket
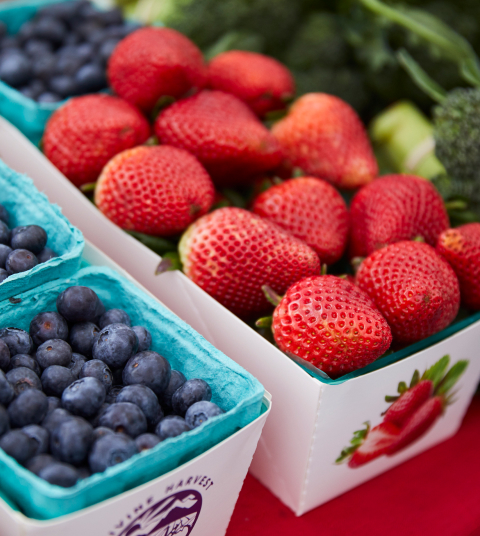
27	206
233	389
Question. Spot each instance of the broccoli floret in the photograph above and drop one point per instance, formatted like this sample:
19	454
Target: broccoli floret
457	134
462	199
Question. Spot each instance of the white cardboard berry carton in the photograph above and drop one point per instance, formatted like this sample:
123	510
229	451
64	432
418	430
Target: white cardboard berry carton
312	420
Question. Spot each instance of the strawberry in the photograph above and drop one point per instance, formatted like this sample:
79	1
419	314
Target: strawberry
395	208
154	190
413	287
408	402
330	323
461	248
231	253
261	82
324	137
155	62
85	133
223	133
312	210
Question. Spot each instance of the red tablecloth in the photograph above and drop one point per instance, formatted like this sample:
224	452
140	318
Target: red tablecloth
436	493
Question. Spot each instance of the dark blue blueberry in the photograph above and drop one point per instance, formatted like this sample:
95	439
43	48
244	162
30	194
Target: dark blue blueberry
78	304
171	426
50	29
48	325
5	233
101	431
84	472
126	418
3	275
144	338
76	364
82	337
68	64
4	253
37	463
36	88
20	260
114	316
23	379
200	412
63	85
72	39
49	98
115	345
150	369
18	445
30	407
28	93
46	254
99	312
145	399
71	441
15	69
146	442
90	78
3	211
113	393
190	392
115	32
11	42
41	436
85	51
60	474
84	397
107	48
4	356
111	450
44	67
4	421
90	31
96	419
7	392
35	48
88	11
111	16
56	379
53	403
3	30
54	352
177	379
66	11
98	369
26	31
18	341
30	237
27	361
56	418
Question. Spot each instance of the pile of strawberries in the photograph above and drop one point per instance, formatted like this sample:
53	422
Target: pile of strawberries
180	130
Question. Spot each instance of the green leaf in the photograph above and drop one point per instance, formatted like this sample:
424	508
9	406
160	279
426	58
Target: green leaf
265	322
357	439
435	372
451	377
415	379
402	387
391	399
235	198
88	187
271	295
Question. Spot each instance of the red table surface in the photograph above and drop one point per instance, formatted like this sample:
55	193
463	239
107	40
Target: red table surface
436	493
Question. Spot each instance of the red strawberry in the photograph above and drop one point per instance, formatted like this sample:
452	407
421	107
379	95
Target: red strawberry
223	133
408	402
324	137
154	62
413	287
154	190
232	253
395	208
330	323
85	133
461	248
312	210
264	84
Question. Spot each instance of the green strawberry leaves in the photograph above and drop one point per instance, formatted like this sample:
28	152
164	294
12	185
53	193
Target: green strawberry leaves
357	439
451	378
436	372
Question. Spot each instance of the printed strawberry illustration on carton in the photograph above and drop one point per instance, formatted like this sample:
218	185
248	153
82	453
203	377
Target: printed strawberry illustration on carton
410	416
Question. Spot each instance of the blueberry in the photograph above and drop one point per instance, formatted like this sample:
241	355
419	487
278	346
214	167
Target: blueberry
66	11
53	403
44	67
56	379
49	97
30	237
7	392
3	275
63	85
107	48
72	39
11	42
20	260
145	399
27	361
19	446
54	352
144	338
4	421
115	345
111	16
78	304
84	472
115	32
146	442
36	48
56	418
37	463
4	253
5	233
201	412
89	78
190	392
98	369
84	397
3	30
4	356
111	450
114	316
113	393
94	421
23	379
85	51
50	29
46	254
150	369
3	211
41	436
68	63
94	33
18	341
76	364
171	426
82	337
101	431
125	417
71	441
48	325
30	407
88	11
60	474
177	379
28	93
15	69
26	31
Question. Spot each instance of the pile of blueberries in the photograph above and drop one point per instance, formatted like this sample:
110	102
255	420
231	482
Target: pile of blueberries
70	409
21	248
63	51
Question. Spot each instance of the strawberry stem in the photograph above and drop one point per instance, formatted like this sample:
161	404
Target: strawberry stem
324	269
265	322
415	379
89	187
271	295
356	262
